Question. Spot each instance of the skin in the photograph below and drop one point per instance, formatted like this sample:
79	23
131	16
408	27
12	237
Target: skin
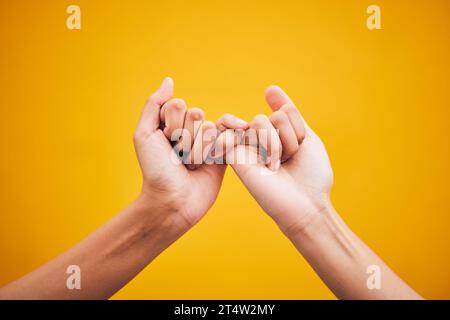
292	184
297	197
172	200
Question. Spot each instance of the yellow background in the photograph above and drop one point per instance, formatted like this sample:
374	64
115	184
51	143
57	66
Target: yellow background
70	101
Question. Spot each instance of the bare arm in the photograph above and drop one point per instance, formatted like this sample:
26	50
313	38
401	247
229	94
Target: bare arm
345	263
108	258
172	200
296	194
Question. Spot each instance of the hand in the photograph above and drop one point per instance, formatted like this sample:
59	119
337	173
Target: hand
293	191
184	194
296	190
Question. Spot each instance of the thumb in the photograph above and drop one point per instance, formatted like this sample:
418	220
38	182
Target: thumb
276	97
246	163
150	115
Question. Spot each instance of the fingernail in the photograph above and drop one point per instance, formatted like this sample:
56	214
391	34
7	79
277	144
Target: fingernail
274	166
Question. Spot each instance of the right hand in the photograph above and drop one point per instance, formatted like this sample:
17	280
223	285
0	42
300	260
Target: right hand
296	191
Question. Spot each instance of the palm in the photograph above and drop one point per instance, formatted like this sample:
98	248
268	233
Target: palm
192	190
300	183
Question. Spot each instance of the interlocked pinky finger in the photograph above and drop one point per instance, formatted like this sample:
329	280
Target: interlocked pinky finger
229	121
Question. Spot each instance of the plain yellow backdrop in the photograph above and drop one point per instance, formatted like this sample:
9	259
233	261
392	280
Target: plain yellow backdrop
70	101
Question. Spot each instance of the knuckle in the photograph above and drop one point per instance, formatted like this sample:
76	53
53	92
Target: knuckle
207	125
227	117
177	104
288	152
224	120
196	113
260	117
288	109
219	121
278	118
259	120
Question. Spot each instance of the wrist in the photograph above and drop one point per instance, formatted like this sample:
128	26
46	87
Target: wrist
323	231
159	216
307	219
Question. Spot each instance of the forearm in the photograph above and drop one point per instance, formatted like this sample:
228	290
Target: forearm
341	260
108	258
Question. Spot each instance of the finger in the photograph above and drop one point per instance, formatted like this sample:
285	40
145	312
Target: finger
229	121
289	142
150	115
268	141
204	142
175	110
225	142
192	123
232	129
276	97
246	163
295	120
